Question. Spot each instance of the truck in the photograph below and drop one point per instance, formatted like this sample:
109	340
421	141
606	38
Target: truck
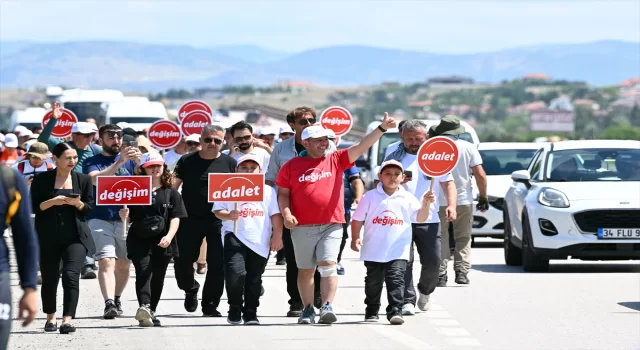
89	103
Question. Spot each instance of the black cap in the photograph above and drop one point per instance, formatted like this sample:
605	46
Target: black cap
128	138
130	131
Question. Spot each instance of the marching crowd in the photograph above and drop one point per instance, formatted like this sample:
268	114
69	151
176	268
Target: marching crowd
310	186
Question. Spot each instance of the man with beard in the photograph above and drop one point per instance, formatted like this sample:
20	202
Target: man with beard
243	139
426	235
192	173
119	159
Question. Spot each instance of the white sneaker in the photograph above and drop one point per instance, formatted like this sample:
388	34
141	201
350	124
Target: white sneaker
424	302
408	310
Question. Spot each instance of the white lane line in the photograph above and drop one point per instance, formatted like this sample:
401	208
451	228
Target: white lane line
443	322
463	341
453	332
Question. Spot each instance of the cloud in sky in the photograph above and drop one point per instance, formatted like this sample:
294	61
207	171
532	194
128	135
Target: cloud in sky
288	25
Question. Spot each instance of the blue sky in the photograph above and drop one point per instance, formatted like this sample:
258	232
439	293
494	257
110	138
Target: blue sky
452	26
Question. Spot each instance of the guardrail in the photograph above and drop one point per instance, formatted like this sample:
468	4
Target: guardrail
355	134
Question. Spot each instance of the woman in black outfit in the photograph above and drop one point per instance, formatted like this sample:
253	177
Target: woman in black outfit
61	201
150	241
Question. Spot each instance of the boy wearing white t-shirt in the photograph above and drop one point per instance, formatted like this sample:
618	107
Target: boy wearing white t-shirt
387	213
246	252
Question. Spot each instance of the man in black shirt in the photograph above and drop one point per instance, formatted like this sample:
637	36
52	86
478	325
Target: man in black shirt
192	172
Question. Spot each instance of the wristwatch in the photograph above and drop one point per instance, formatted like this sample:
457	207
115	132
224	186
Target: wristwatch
381	128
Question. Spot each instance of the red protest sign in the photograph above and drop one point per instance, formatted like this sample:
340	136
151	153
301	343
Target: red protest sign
236	187
64	125
438	156
164	134
123	190
337	119
194	122
192	106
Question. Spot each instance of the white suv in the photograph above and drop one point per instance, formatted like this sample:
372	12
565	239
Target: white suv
499	160
578	199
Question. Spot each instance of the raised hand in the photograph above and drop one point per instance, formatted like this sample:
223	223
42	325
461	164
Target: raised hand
388	122
57	111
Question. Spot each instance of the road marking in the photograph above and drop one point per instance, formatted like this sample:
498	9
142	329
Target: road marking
453	332
444	322
464	341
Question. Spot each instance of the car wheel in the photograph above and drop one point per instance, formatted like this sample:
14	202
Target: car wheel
531	262
512	254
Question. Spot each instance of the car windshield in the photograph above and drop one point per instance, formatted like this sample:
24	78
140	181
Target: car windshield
134	120
391	137
505	161
607	164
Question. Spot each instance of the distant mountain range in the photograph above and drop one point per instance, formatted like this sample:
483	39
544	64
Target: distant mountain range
146	68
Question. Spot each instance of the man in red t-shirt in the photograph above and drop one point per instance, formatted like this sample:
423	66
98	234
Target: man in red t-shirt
311	199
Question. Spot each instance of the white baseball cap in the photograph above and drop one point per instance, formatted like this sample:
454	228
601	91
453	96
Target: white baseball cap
332	135
193	137
84	128
286	130
392	162
11	140
151	158
247	158
266	131
314	132
26	132
19	130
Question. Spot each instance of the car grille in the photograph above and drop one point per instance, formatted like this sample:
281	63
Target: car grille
498	203
592	220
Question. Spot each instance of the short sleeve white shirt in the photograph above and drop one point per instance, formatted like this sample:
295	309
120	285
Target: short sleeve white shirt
387	224
254	224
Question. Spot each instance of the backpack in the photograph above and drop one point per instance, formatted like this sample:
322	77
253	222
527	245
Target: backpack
21	166
153	226
9	179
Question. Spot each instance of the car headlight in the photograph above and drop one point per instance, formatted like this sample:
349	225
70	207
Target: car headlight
553	198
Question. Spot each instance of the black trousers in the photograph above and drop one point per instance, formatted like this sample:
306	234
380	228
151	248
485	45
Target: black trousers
72	254
345	234
243	270
5	309
292	272
390	273
427	239
151	265
190	235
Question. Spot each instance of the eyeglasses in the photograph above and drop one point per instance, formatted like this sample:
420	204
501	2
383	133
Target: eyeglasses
309	121
114	133
209	140
193	143
242	138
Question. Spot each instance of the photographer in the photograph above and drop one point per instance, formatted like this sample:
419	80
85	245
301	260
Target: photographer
119	157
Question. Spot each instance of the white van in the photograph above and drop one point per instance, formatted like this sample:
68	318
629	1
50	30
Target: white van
138	114
376	153
29	118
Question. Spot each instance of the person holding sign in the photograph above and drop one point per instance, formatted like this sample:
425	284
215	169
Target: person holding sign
150	241
119	159
192	173
246	249
386	213
311	198
62	199
426	234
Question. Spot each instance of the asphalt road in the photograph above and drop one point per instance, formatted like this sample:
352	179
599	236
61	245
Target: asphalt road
577	305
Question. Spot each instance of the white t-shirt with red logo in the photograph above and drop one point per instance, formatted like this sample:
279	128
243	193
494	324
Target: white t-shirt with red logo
387	224
254	224
317	188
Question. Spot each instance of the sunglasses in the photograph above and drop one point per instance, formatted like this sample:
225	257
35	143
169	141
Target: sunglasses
309	121
114	133
209	140
242	138
193	143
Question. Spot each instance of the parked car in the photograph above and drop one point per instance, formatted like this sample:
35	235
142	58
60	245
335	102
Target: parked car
499	160
578	199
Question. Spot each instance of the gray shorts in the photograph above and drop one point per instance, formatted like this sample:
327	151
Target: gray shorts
313	243
110	243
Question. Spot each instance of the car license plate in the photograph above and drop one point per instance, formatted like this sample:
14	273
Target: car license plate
618	233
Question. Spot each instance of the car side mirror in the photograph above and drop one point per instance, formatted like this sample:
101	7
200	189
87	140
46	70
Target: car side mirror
522	176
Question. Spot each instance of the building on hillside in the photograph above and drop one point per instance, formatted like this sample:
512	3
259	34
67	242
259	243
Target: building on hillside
450	80
562	103
537	76
586	103
527	108
420	106
296	86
